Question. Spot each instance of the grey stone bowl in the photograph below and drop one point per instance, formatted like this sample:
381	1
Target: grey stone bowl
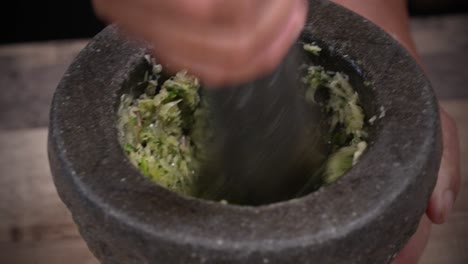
365	217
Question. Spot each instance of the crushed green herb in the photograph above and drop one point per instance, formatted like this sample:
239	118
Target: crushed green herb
314	49
347	133
164	130
153	130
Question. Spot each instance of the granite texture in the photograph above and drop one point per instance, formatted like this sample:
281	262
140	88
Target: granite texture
365	217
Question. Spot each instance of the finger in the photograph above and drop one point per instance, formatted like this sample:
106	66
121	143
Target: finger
272	54
204	12
172	14
230	50
414	249
216	76
272	18
448	181
211	44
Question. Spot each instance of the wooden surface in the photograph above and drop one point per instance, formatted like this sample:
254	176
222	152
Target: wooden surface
35	226
443	45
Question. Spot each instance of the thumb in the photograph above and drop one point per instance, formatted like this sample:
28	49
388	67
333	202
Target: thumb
448	181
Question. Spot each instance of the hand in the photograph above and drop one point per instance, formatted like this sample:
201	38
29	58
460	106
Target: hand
222	42
392	16
443	197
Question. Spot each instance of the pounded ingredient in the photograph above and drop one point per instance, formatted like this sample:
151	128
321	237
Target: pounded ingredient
165	129
153	130
347	134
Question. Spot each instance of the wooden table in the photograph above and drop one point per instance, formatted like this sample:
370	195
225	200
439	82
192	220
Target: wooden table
35	226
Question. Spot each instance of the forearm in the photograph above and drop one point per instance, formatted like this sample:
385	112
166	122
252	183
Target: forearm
390	15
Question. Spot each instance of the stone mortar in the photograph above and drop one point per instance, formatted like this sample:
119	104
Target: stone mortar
365	217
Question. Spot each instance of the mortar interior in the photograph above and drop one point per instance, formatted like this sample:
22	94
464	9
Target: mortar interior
328	58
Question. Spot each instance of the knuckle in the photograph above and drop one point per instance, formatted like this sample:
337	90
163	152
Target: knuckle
242	49
202	10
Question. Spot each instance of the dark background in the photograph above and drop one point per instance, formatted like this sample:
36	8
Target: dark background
36	20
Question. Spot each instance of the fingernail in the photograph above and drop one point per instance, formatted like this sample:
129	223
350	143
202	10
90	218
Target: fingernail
449	199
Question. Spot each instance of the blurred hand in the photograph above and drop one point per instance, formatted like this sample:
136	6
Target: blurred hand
222	42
